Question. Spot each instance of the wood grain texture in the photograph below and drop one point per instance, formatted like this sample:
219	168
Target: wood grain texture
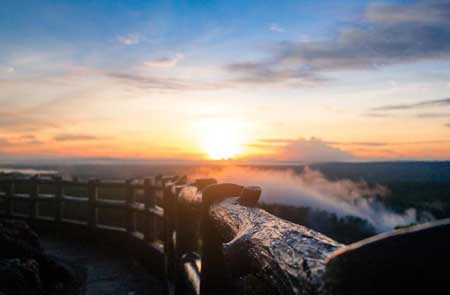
290	257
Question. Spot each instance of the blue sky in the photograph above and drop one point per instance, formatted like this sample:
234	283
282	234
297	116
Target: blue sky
82	27
110	76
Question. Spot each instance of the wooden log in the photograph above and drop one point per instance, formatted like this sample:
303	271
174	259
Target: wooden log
59	195
92	203
201	183
289	257
406	261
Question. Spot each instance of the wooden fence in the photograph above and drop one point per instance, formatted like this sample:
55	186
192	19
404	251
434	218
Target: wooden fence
205	238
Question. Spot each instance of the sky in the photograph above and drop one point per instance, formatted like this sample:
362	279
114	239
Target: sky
254	81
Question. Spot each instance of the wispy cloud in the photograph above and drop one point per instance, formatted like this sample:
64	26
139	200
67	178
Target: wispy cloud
75	137
433	115
417	105
148	82
7	69
277	142
393	34
266	72
358	143
129	39
164	62
22	122
165	84
27	140
377	115
274	27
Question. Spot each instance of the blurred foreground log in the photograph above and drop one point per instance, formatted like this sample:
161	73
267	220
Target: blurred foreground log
290	256
406	261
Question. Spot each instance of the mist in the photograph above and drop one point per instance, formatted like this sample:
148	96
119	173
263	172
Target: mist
312	189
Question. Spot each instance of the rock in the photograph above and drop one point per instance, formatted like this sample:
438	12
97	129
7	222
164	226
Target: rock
18	240
24	266
20	276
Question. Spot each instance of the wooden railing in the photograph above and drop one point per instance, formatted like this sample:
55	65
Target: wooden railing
143	199
204	238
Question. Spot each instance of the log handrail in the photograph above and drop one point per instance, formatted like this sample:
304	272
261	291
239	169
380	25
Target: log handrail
287	255
290	257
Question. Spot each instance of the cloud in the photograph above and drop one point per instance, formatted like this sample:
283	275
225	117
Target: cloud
22	122
164	62
285	141
277	140
19	141
267	72
448	124
274	27
417	105
150	82
28	137
286	150
129	39
433	115
389	34
377	115
313	150
359	143
427	12
75	137
7	69
164	84
4	142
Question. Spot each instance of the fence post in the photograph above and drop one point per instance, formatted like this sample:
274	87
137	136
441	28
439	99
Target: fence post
131	217
187	237
168	204
149	201
215	276
59	195
92	203
10	198
34	197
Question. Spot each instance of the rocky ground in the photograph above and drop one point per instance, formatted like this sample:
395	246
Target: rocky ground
109	270
51	265
25	268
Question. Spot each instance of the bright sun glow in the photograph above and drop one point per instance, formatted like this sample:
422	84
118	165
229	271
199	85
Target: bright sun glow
219	139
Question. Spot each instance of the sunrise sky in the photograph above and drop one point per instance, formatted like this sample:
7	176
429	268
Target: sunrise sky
257	81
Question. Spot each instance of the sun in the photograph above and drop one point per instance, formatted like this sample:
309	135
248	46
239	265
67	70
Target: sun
220	139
